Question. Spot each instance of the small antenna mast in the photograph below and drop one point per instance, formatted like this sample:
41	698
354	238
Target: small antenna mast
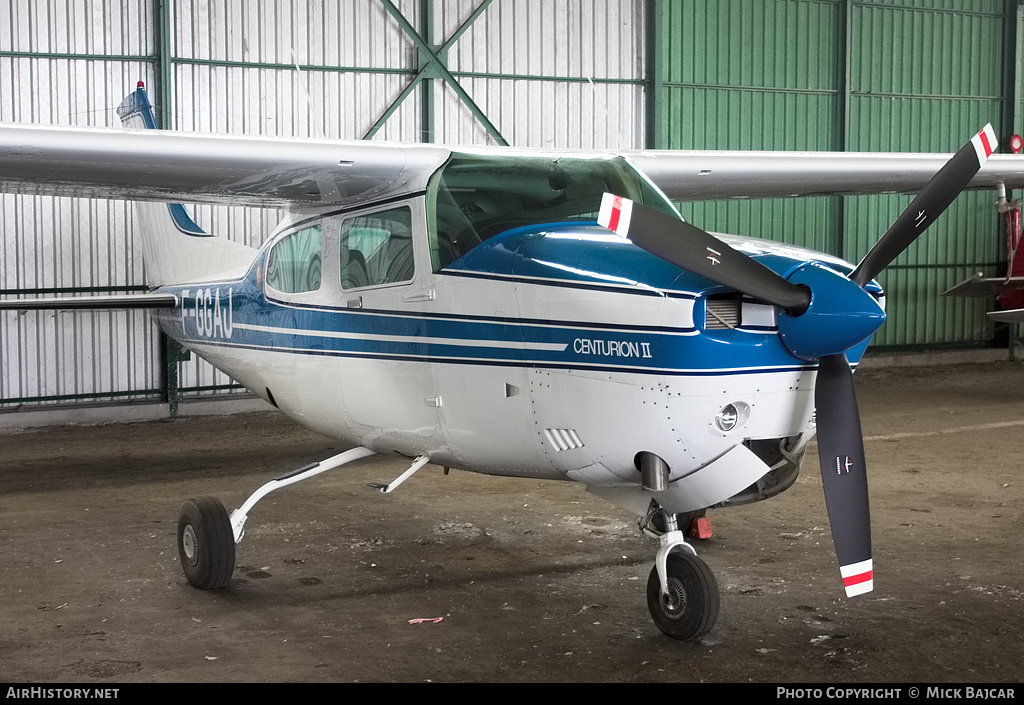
604	106
305	92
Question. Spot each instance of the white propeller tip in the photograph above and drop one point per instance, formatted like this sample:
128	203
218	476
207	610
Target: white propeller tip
858	578
615	214
985	143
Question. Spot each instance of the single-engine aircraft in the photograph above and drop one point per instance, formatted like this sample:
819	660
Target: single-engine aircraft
535	313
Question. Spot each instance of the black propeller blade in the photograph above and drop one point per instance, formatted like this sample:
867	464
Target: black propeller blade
928	205
840	442
843	471
690	248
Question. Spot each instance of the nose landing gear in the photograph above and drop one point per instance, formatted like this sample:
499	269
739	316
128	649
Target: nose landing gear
688	606
682	593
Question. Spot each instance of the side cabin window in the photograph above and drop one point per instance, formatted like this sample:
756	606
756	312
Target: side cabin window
295	262
376	248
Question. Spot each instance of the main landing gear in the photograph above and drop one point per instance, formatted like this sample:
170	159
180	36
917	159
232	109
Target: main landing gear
207	535
206	544
682	593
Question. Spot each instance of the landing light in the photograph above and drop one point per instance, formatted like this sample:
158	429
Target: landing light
727	418
732	416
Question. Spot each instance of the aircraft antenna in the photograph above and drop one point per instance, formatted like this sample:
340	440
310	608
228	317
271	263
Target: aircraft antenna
608	121
305	92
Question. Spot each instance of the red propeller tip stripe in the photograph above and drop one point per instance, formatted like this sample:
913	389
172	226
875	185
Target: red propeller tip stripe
615	213
858	578
985	143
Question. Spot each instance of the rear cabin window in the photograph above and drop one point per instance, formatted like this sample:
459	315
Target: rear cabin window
476	197
294	263
377	249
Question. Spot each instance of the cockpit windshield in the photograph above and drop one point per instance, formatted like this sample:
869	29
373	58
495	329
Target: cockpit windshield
475	197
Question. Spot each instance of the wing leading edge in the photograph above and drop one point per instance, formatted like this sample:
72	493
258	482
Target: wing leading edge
697	176
160	165
157	165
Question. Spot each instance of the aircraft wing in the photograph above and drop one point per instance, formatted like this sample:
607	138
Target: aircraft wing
1015	315
271	171
161	165
981	286
697	176
989	287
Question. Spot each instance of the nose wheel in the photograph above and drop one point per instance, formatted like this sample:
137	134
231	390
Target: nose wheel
688	608
206	543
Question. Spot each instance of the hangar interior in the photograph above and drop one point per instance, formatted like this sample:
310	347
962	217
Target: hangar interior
844	75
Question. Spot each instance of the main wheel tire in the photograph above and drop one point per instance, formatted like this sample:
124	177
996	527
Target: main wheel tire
206	543
691	607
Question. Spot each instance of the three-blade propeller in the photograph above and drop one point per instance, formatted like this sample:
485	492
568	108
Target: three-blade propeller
822	315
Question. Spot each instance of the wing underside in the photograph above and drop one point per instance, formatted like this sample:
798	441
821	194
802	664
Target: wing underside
158	165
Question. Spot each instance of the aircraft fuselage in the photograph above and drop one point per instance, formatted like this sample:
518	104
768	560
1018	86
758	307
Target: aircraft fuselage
556	350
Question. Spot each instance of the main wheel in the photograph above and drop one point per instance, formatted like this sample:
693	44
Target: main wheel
206	543
690	609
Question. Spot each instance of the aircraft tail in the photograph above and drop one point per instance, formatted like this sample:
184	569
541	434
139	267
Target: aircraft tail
175	249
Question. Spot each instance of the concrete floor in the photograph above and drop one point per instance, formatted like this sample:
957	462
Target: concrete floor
533	581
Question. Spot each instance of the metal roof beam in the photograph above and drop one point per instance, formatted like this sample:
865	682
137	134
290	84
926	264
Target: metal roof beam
434	65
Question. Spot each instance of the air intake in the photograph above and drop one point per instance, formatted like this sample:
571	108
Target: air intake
722	312
563	438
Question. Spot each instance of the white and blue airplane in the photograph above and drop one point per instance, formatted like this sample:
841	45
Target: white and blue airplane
543	314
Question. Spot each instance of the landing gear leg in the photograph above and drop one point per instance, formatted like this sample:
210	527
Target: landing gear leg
207	535
682	593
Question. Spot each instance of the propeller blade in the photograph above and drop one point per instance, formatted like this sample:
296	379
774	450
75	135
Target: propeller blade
690	248
928	205
841	453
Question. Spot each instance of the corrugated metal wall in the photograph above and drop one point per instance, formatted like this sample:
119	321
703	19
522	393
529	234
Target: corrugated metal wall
566	74
940	80
68	63
723	74
551	74
864	75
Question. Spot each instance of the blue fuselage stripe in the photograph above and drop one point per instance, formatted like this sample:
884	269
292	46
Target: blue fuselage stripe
618	283
237	314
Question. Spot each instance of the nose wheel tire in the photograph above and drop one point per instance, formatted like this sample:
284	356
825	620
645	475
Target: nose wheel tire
690	609
206	543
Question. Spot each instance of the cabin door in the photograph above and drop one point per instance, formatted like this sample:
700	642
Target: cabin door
388	386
